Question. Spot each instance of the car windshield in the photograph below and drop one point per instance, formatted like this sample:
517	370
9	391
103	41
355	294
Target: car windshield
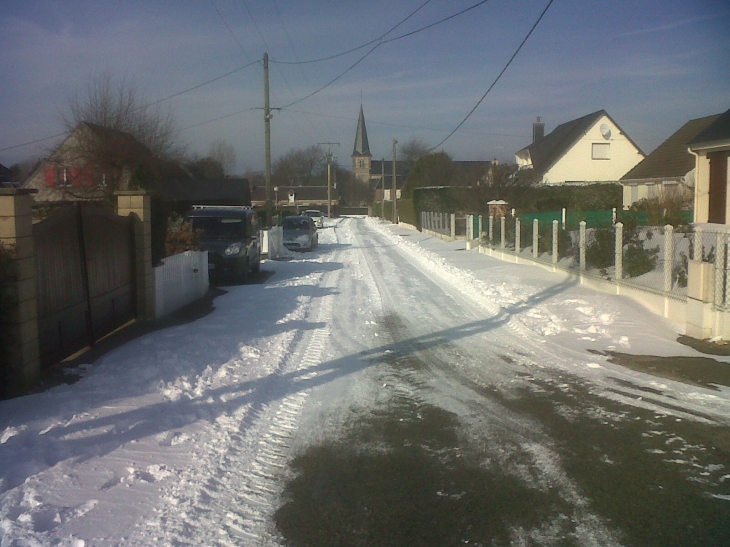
295	224
219	228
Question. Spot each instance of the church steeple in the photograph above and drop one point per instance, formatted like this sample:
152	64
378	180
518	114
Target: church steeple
361	155
362	147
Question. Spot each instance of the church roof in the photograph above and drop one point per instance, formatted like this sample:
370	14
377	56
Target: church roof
362	147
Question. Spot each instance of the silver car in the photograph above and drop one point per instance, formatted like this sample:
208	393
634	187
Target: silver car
300	233
316	216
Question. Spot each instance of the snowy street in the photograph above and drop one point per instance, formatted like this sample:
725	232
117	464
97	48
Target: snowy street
387	389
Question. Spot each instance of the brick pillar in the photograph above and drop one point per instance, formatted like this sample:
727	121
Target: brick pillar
22	364
138	204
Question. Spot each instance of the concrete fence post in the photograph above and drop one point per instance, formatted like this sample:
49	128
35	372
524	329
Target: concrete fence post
517	235
668	256
21	369
481	226
582	245
491	230
535	240
138	204
619	251
555	241
720	256
452	220
502	226
697	244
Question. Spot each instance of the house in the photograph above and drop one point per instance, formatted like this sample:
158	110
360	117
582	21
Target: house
711	148
669	168
589	149
299	197
90	161
708	285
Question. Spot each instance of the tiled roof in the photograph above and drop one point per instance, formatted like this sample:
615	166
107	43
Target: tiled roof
545	152
671	158
362	147
719	130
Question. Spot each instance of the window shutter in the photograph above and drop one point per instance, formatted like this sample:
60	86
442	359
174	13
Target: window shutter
88	176
75	175
50	175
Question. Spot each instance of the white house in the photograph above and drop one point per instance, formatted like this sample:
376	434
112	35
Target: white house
582	151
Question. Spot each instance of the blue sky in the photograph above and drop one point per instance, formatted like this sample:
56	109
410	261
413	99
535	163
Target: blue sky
652	65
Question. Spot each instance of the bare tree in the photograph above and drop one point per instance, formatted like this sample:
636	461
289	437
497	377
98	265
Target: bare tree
300	167
117	133
224	153
411	150
352	191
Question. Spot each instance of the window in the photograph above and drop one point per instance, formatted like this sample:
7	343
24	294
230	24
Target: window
600	151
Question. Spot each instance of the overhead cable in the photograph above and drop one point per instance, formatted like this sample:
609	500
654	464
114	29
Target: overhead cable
376	46
371	42
36	141
550	3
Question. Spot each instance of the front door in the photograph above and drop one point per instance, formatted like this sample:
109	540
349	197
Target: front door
718	187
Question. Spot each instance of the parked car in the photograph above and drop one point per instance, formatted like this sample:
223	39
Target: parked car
231	237
300	233
316	216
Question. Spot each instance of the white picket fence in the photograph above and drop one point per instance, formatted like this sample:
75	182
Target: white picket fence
180	280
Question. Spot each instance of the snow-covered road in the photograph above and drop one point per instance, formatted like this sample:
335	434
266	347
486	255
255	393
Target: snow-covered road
387	389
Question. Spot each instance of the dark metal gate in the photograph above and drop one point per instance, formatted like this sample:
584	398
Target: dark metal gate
85	278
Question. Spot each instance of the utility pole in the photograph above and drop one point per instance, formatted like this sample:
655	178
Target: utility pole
395	189
382	184
329	175
267	128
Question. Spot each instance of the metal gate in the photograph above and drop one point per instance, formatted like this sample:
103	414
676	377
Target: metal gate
85	278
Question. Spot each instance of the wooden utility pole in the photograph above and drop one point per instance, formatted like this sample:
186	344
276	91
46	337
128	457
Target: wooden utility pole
329	175
395	189
382	185
267	128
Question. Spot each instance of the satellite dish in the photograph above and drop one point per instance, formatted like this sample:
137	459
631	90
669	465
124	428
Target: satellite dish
605	131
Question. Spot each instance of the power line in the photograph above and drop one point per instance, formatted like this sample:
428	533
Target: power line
158	101
32	142
420	128
230	31
371	42
550	3
379	43
201	85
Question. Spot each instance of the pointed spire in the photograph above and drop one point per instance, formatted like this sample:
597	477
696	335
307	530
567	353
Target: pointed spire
362	147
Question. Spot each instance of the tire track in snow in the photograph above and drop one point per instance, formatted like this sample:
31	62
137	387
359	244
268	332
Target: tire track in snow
233	506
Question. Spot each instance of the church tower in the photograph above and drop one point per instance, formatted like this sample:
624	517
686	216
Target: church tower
361	156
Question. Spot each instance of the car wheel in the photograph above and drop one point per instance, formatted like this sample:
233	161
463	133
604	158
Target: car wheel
242	271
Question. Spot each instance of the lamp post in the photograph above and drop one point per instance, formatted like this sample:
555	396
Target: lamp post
276	201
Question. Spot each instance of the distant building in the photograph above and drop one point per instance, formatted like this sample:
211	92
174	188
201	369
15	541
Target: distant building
586	150
300	197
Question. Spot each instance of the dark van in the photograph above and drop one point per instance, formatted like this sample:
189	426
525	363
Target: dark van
231	236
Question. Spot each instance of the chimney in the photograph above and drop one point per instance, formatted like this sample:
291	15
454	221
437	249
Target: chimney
538	130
